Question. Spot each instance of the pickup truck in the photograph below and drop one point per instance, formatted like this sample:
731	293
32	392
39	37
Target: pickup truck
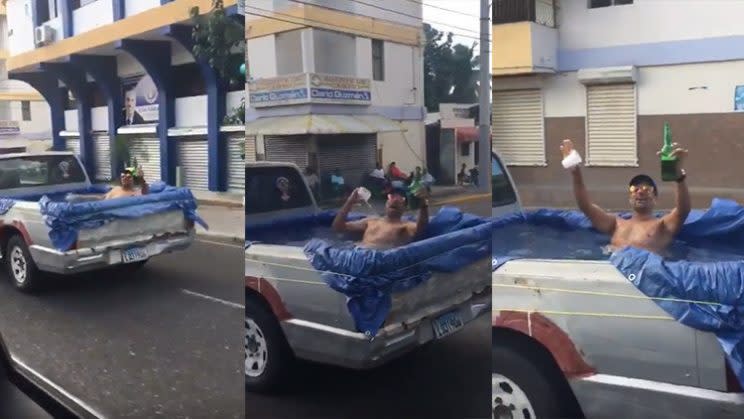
292	313
25	243
576	338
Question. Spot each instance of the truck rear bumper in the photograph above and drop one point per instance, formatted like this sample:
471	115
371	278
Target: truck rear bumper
604	396
84	260
331	345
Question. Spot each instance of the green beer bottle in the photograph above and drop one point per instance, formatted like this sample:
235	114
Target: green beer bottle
668	161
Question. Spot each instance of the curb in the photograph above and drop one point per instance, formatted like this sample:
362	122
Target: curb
221	237
219	203
458	200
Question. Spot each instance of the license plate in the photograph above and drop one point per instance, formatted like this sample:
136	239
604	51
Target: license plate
135	254
446	324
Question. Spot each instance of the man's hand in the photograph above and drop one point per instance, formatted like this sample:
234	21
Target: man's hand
680	153
422	193
567	146
354	198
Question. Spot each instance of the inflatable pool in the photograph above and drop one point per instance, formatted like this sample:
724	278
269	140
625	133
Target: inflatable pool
705	264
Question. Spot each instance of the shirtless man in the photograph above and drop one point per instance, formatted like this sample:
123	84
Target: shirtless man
643	230
127	187
389	231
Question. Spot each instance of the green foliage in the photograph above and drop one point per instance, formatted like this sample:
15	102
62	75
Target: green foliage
450	71
215	37
236	115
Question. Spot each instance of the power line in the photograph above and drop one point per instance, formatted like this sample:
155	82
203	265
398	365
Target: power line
399	13
443	8
303	20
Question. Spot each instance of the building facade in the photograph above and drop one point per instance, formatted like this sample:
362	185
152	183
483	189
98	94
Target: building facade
608	74
23	112
120	75
336	85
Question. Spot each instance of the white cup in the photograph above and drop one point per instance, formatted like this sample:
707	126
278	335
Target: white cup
364	194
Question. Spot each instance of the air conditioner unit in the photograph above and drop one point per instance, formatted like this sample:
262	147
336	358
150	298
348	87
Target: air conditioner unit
43	35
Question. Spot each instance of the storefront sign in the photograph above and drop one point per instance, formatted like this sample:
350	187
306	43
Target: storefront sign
9	128
340	89
140	101
309	88
275	91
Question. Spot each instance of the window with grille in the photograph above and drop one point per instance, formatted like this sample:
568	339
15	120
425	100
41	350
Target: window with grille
378	60
517	127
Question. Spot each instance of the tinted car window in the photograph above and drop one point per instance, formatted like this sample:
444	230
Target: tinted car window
502	192
274	188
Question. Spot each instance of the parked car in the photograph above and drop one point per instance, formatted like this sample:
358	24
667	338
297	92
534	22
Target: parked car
504	197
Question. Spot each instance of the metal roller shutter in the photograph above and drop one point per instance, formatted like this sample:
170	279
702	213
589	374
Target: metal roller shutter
354	155
250	148
517	127
103	157
73	144
194	162
236	164
147	153
288	149
611	125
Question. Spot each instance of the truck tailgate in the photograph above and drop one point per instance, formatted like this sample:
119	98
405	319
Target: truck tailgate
120	231
442	291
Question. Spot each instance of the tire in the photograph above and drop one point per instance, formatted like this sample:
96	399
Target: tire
268	358
521	389
130	268
21	267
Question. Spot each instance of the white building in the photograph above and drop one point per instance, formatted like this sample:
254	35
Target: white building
609	75
125	69
23	112
336	85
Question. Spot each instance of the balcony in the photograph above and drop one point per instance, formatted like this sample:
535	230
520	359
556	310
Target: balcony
542	12
525	38
304	88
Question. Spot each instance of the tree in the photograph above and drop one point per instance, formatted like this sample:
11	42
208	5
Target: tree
450	71
216	37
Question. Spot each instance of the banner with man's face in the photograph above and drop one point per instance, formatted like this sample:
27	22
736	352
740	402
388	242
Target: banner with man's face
140	101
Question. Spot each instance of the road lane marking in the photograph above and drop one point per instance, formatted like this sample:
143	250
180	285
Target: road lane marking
215	299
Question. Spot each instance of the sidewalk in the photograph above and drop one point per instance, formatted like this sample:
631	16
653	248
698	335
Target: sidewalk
225	223
219	199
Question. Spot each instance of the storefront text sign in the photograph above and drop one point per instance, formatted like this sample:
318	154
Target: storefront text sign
309	88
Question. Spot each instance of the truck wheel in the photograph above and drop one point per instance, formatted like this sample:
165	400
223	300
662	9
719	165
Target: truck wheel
21	267
521	390
130	268
268	357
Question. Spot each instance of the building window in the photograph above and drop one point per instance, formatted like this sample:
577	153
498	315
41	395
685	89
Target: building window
26	110
594	4
465	149
517	127
611	138
378	60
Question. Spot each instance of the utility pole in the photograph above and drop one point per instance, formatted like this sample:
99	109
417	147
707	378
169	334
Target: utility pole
484	139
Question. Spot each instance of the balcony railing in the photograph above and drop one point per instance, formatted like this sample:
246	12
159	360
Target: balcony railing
542	12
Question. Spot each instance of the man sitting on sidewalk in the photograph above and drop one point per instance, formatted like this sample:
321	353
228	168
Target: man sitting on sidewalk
389	231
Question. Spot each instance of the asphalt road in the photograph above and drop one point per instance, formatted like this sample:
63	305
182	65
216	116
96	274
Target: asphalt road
449	379
166	342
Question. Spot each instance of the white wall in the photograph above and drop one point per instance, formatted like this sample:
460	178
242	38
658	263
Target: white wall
403	73
407	149
334	53
92	15
647	21
132	7
233	100
261	53
662	90
180	55
71	120
21	25
40	117
191	111
544	47
99	118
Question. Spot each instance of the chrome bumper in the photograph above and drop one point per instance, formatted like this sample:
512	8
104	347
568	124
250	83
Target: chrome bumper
608	396
89	259
330	345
